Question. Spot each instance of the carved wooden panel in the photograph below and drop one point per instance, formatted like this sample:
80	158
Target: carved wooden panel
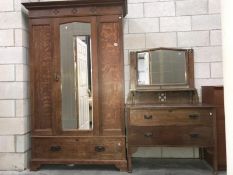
42	77
111	77
71	12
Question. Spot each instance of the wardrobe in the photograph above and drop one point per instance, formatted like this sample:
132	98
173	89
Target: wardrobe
77	82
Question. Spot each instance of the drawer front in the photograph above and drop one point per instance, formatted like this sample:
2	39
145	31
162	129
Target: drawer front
108	149
171	136
169	117
78	148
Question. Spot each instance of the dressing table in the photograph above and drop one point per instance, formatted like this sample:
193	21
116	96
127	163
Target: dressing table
163	107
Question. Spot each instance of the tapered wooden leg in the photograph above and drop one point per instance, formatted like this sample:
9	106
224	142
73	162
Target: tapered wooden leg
34	166
122	166
201	153
130	152
129	163
215	160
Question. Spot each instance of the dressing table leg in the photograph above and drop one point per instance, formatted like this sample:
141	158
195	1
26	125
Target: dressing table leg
129	159
129	164
122	166
34	166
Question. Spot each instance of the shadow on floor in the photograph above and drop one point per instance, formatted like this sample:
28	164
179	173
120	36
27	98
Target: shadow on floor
141	166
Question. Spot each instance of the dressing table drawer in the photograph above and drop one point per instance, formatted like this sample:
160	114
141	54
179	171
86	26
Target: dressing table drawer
171	117
171	136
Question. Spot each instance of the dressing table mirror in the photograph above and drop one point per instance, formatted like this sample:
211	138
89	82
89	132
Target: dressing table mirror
163	107
162	68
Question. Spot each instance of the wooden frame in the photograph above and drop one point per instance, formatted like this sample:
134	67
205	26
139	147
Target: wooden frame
77	7
189	69
58	22
48	138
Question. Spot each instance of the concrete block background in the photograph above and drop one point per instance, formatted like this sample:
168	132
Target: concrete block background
158	9
166	39
191	7
193	39
180	23
14	120
150	23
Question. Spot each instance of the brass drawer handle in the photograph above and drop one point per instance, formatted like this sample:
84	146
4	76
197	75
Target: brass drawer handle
193	116
148	134
56	77
99	148
55	148
148	117
194	135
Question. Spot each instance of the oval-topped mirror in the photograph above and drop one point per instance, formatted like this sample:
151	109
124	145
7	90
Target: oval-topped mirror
162	68
76	76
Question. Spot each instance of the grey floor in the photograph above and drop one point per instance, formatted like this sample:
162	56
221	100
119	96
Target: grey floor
140	167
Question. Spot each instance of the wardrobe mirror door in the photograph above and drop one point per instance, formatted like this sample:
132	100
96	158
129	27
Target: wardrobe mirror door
76	76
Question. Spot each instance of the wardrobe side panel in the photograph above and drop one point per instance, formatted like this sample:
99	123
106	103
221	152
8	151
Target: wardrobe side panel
41	76
111	75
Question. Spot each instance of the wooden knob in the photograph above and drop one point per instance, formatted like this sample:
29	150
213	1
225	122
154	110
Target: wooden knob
55	148
194	135
56	77
99	148
148	134
148	117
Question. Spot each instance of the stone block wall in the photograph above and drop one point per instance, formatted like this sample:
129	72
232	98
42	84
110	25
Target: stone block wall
176	23
14	99
150	23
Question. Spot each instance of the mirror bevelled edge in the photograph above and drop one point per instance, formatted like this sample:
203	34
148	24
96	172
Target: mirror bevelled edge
189	57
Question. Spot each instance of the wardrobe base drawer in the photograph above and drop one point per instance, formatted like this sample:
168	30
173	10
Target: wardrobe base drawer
78	148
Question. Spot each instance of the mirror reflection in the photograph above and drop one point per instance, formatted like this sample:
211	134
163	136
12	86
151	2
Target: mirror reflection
76	80
161	67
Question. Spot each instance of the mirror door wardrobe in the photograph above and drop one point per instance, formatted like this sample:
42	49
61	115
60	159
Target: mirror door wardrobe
77	82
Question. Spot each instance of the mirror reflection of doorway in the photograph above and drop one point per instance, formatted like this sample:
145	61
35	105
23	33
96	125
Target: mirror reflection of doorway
76	76
81	83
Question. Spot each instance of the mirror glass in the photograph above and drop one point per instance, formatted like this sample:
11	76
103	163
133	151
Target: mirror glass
161	67
76	80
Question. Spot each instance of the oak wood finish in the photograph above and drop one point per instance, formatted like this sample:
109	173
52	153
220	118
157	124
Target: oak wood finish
172	97
41	76
79	4
111	73
78	148
201	136
215	95
168	115
171	125
105	144
171	117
